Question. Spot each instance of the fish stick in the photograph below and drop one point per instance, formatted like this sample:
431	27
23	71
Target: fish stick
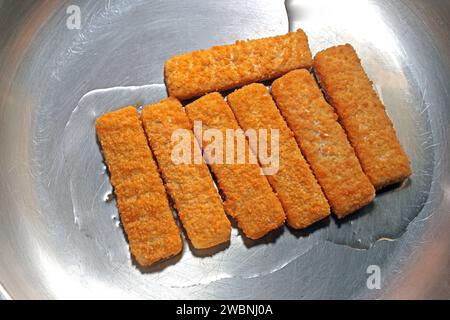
190	185
143	206
230	66
323	142
247	194
363	115
296	187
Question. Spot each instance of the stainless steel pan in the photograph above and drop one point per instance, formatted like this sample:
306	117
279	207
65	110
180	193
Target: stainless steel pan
59	232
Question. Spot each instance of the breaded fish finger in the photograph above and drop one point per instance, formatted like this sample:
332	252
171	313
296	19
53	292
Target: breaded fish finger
231	66
296	187
190	185
248	196
143	206
363	115
323	142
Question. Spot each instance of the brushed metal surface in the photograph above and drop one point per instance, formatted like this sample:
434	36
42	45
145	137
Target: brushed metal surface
59	232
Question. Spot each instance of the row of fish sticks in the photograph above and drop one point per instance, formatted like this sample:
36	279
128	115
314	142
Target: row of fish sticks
333	155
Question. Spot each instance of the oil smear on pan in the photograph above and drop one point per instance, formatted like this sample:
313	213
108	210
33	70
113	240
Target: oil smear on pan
96	216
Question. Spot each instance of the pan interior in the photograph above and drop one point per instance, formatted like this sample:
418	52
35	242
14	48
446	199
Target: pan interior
59	224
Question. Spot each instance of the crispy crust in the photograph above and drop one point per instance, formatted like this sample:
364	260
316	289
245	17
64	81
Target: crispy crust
231	66
144	210
296	187
363	115
190	186
248	196
323	142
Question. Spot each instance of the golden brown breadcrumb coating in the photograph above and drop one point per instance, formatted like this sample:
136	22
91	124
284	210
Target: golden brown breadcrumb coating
363	115
247	194
296	187
323	142
143	206
190	185
230	66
